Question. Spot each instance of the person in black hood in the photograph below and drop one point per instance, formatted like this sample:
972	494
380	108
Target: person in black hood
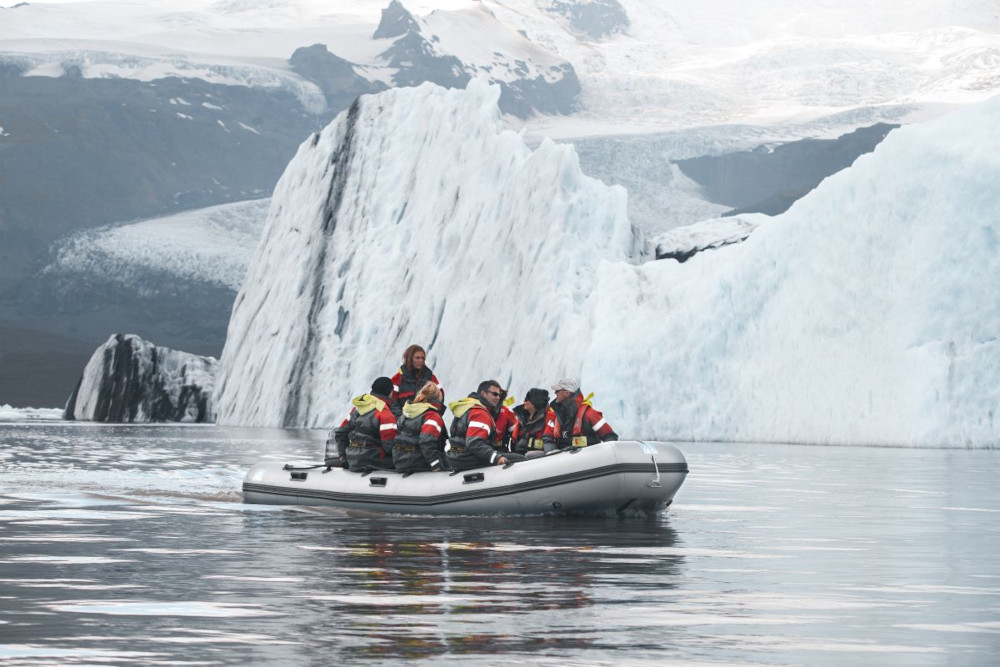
537	427
364	440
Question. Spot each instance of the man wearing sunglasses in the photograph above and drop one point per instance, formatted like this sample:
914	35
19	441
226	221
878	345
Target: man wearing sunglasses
473	432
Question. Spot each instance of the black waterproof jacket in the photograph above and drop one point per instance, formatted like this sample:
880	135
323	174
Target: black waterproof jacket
420	438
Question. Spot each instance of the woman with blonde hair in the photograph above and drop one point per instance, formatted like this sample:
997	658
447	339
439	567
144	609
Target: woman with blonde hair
411	376
421	434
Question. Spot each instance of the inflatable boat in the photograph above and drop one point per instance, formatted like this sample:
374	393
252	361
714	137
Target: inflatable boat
611	477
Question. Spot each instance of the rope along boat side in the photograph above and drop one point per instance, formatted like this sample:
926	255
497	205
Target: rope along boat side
617	476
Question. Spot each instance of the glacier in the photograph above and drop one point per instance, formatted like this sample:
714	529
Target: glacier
415	217
865	314
211	245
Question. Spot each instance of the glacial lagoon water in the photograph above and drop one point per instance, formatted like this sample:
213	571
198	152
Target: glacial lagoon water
131	545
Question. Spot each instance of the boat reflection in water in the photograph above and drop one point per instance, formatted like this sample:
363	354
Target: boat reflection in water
471	586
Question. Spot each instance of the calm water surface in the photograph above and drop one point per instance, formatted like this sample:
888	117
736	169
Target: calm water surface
130	545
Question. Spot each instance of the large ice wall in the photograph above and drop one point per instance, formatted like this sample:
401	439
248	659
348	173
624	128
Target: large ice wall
414	217
869	313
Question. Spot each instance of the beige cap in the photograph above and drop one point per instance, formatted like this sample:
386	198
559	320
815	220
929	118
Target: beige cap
567	384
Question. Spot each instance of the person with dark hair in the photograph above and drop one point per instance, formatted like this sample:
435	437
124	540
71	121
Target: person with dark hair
537	428
580	424
411	376
505	421
473	431
420	438
364	440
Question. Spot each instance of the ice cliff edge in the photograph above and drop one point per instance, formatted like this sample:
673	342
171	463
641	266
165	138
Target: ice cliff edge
414	217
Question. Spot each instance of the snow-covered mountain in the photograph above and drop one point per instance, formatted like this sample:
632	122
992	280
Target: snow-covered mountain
247	43
642	65
416	217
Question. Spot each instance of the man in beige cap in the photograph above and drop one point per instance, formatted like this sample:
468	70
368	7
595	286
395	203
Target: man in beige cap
581	425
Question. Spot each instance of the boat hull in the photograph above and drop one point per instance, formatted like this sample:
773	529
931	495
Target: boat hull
612	477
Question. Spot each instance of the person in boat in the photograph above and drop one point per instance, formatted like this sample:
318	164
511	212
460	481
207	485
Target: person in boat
580	424
364	440
505	421
473	431
411	376
420	437
537	428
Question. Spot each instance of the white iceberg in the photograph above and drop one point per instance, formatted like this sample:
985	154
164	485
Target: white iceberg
866	314
414	217
129	379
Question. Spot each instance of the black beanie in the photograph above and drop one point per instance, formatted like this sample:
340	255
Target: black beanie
537	397
382	387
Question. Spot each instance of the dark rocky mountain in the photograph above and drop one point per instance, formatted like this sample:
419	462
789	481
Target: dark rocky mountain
80	153
417	58
335	76
595	18
416	61
395	22
38	367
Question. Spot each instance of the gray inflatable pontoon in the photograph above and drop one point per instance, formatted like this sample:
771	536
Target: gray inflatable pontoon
610	477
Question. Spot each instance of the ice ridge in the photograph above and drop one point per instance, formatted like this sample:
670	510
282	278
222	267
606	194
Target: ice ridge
414	217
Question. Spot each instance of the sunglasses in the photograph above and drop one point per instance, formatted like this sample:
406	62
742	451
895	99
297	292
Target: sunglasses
494	393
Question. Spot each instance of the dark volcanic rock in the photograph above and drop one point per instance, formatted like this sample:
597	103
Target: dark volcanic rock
334	75
416	61
396	21
129	379
525	96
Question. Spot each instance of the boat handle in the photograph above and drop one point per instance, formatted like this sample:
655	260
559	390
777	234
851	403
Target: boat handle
655	484
377	481
299	476
473	477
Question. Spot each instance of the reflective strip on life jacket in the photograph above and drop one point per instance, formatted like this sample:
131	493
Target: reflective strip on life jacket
578	425
365	444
